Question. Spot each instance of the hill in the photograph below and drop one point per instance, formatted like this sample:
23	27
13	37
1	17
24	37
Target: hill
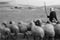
7	14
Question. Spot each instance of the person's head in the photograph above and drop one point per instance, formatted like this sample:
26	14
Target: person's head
52	9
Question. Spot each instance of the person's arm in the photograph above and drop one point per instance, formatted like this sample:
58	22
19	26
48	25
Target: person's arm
48	16
55	16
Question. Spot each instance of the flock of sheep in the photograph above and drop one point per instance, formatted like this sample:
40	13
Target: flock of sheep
38	29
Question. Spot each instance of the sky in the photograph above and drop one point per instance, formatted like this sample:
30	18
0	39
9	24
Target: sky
34	2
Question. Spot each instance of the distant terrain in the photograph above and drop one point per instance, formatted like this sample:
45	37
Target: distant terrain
25	13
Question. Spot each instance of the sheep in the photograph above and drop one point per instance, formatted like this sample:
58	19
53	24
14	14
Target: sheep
57	30
4	32
14	28
36	31
49	31
23	27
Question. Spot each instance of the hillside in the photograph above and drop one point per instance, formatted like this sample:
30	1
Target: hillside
7	14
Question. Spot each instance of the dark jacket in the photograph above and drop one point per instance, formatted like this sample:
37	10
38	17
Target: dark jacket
52	15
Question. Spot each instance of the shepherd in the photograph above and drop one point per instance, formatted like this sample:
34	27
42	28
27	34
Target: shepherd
52	15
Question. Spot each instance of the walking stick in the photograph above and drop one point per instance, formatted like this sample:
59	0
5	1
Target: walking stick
45	9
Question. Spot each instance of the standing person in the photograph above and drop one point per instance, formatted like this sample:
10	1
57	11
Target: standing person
52	15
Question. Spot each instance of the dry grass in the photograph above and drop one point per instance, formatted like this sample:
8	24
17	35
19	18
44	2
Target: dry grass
20	14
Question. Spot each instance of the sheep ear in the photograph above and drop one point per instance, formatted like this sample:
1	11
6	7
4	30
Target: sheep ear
31	23
2	23
19	23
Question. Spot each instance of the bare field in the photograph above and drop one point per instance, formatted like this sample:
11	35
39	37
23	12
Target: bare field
23	14
20	14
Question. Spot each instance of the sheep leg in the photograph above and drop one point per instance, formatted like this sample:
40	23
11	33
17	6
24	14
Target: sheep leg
27	37
40	38
34	37
51	38
24	35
